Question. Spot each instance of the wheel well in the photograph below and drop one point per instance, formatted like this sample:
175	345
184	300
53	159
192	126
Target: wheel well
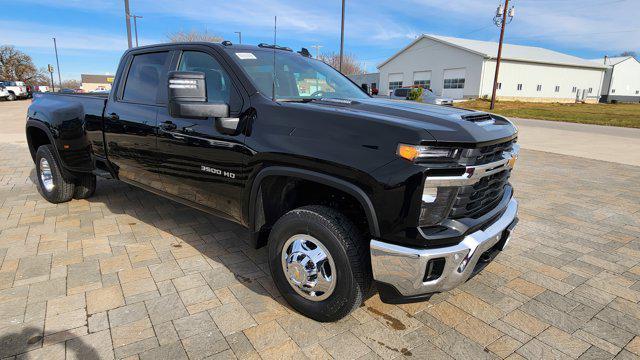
35	138
280	194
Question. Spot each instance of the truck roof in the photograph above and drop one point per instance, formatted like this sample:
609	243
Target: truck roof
225	44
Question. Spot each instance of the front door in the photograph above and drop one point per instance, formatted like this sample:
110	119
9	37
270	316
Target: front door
200	164
130	123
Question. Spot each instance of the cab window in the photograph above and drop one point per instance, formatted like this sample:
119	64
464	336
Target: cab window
143	79
219	87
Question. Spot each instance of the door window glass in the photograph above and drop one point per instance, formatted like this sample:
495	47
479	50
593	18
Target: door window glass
143	80
219	88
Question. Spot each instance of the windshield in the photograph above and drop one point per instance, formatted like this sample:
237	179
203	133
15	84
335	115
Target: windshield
296	77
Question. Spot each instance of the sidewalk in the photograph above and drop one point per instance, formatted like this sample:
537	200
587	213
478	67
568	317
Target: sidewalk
615	144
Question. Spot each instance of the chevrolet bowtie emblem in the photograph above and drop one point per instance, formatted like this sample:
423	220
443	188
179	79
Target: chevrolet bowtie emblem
512	161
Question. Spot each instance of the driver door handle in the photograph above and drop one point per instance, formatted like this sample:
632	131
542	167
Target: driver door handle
114	116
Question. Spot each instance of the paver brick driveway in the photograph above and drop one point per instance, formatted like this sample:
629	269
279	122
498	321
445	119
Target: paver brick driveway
128	274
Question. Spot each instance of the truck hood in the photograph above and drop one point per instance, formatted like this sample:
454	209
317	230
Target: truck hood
444	123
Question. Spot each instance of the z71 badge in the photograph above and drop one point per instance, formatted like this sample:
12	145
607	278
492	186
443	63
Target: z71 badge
219	172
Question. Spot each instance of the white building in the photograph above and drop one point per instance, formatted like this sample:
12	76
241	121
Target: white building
621	81
463	68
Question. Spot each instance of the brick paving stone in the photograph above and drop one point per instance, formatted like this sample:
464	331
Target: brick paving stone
569	280
132	332
564	342
168	351
127	314
92	346
231	318
193	325
165	308
345	346
102	299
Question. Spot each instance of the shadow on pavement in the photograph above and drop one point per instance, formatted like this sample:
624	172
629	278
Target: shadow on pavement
30	338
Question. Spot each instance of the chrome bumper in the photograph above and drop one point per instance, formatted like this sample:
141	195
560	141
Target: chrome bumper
405	267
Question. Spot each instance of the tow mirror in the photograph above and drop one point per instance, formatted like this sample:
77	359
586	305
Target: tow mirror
188	97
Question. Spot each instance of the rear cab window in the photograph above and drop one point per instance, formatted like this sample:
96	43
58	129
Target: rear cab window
145	76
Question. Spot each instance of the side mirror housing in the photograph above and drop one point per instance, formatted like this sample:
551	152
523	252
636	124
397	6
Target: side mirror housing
188	97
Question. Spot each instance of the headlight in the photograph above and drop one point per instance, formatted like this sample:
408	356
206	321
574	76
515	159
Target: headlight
436	203
422	152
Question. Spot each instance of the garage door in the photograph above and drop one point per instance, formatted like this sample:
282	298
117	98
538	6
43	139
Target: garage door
453	86
422	78
395	81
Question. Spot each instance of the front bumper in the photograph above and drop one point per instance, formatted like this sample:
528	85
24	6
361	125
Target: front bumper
401	272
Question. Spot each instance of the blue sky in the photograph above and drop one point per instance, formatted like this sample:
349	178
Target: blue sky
91	34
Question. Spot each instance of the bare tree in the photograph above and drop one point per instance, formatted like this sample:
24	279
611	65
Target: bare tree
191	36
350	65
18	66
71	84
630	53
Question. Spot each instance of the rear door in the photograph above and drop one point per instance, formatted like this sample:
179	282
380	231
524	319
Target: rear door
131	122
199	163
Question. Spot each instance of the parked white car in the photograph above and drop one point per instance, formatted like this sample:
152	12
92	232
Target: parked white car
4	93
16	89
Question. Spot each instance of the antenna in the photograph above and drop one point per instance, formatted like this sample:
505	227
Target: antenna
273	83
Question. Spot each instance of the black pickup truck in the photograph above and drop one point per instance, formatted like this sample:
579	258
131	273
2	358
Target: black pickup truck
350	193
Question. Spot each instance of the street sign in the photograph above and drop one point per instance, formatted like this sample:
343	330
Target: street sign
50	68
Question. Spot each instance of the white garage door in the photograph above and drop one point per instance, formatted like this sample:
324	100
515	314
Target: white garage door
395	81
422	78
453	86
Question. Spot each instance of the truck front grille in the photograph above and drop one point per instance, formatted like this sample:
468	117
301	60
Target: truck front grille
486	154
478	199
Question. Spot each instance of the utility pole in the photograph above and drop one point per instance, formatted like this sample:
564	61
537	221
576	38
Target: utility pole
341	39
239	36
500	20
55	46
127	17
135	26
317	50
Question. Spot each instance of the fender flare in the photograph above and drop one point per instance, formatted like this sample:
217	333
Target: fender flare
39	124
324	179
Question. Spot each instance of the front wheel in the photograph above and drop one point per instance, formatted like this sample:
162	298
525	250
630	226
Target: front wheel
320	262
11	97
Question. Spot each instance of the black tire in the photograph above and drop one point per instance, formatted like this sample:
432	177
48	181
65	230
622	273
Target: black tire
63	188
11	97
348	249
85	186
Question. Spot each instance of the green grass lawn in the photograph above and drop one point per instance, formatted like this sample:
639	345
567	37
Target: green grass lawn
624	115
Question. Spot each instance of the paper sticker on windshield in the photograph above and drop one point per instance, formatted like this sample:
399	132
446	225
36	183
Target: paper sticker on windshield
246	56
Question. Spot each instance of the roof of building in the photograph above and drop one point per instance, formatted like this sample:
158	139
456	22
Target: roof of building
96	79
612	61
489	50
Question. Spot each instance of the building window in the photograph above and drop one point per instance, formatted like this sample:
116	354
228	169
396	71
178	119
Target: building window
557	88
519	87
637	92
395	85
539	88
590	90
454	83
423	83
613	91
574	89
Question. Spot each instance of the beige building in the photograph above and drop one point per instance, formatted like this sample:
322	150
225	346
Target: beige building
464	69
96	82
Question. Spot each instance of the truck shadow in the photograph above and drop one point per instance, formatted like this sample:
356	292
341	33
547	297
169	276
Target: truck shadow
183	232
30	338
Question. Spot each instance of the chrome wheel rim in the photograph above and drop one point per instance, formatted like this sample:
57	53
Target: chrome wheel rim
308	267
46	176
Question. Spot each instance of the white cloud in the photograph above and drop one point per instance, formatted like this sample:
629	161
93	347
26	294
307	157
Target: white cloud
35	35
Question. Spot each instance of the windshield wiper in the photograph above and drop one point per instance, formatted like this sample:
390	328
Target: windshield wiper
301	100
